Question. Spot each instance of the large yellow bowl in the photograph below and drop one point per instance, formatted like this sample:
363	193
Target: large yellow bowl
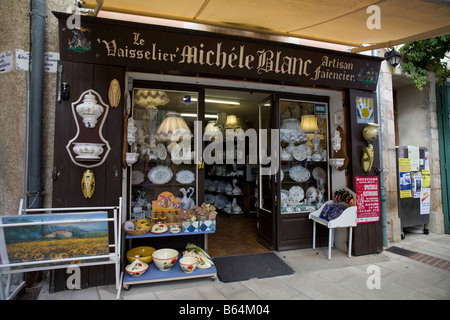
144	253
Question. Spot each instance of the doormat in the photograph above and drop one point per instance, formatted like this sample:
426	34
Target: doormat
249	266
401	251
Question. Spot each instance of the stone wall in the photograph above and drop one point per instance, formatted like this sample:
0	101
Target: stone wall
15	22
417	126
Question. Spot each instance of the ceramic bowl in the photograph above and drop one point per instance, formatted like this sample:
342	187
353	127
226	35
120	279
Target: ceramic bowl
188	264
144	253
164	259
136	268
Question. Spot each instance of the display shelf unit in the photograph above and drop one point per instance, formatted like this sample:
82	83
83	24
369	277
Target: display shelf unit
153	274
167	234
243	199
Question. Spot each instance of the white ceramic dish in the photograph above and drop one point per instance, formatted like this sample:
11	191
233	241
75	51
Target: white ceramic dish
161	151
319	173
299	174
209	198
137	177
160	174
185	176
296	193
300	152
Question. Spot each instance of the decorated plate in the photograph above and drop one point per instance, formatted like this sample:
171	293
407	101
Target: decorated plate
284	195
319	173
209	198
185	176
300	152
299	174
160	174
137	177
296	193
161	152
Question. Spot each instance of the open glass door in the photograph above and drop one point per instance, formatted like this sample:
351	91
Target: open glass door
267	175
162	136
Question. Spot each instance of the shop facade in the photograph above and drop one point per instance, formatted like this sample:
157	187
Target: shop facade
214	85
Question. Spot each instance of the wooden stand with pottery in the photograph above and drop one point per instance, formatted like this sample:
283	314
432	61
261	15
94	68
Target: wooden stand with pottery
166	210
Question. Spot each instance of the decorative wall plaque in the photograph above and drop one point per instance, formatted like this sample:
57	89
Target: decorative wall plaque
88	148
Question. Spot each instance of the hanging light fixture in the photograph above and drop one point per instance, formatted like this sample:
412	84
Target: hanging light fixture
172	128
393	57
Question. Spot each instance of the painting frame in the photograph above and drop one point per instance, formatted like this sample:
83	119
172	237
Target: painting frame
48	241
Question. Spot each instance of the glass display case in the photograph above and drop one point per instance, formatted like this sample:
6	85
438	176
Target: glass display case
304	170
161	136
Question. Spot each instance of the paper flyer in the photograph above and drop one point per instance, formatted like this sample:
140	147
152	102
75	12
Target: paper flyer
413	154
416	184
425	201
425	178
404	169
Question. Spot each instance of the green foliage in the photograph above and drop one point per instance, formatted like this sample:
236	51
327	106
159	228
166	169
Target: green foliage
426	55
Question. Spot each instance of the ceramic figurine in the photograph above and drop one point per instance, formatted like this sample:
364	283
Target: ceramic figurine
114	93
367	158
89	110
88	184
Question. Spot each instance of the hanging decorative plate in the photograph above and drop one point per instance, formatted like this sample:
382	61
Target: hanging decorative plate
300	152
160	174
185	176
319	173
296	193
284	195
137	177
281	175
299	174
161	151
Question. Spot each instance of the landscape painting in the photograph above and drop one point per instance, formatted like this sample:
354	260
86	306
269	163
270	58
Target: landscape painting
49	238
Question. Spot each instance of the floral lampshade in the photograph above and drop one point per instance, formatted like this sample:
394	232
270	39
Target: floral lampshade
291	132
172	126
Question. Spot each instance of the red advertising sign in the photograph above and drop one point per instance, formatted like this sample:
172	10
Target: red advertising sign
367	199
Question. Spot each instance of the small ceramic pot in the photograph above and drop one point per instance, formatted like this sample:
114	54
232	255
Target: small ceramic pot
371	132
131	158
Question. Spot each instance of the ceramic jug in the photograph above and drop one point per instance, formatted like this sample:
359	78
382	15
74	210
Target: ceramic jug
185	202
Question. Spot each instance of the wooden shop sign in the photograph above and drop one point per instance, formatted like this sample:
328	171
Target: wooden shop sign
142	47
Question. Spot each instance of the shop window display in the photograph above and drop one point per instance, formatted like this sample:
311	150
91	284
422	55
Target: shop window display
164	145
304	152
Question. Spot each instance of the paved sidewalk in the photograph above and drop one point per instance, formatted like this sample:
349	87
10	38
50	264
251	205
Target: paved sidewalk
402	276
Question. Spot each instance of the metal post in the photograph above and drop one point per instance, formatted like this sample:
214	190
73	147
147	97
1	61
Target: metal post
34	148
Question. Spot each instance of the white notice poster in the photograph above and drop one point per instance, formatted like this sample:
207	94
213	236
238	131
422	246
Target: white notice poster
413	154
425	201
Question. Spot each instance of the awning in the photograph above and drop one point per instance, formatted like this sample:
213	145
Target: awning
361	24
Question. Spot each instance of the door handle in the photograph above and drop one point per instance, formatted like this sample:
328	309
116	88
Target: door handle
55	173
